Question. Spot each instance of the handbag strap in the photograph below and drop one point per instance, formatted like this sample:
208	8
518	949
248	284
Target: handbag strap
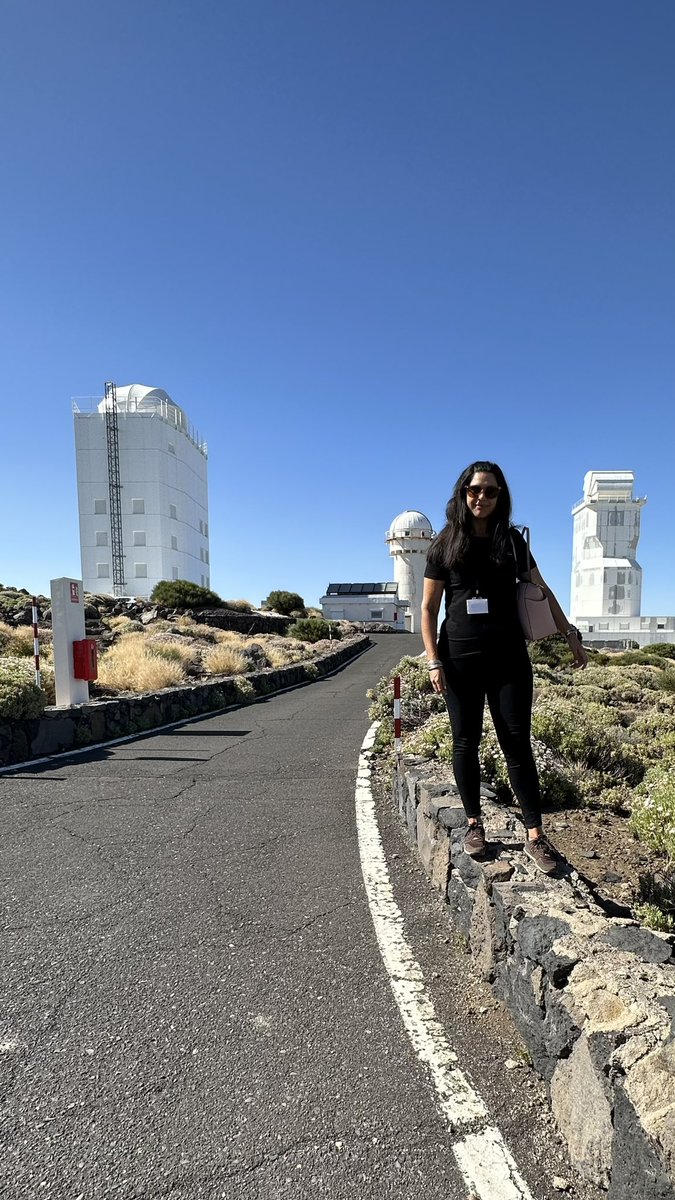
526	535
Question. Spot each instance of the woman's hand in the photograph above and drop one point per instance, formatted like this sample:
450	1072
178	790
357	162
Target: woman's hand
578	653
437	678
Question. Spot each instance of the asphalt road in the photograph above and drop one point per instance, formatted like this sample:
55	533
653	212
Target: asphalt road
192	999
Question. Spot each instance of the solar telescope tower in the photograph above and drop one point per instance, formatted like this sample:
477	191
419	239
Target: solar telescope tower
409	537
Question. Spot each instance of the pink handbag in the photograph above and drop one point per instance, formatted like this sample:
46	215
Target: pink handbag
534	611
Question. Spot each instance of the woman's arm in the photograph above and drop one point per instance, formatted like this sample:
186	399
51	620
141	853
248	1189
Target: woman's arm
431	603
573	641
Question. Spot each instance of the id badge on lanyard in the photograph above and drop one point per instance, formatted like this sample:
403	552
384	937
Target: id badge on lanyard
477	606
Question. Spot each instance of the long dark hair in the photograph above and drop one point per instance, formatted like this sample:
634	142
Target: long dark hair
450	546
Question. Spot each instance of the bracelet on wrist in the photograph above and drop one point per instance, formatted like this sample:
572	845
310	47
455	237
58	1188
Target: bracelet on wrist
434	664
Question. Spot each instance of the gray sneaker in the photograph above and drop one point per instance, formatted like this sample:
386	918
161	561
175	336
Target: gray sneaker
474	842
543	854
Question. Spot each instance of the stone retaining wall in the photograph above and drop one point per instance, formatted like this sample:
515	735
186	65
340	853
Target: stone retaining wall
242	622
60	729
593	996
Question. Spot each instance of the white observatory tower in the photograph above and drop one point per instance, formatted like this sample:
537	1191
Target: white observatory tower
142	493
409	537
606	576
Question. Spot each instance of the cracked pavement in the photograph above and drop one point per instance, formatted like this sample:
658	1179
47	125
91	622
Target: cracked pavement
192	1001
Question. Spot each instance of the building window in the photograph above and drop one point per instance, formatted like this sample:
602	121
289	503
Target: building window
100	506
201	526
603	625
591	579
172	448
173	512
206	556
138	505
174	542
103	570
621	577
624	624
174	572
101	538
201	553
141	570
206	529
660	624
376	614
203	581
139	537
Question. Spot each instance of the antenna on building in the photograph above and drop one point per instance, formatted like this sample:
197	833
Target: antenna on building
114	488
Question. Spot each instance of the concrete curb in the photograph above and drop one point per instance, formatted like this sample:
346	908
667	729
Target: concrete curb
592	996
60	730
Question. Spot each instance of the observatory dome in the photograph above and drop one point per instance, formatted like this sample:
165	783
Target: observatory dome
136	397
410	524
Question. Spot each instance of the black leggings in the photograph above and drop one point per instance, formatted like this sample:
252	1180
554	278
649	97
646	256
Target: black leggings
505	678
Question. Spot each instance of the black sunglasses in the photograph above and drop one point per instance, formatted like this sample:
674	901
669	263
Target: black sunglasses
490	492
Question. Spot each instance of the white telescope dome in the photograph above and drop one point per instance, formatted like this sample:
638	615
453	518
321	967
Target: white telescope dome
410	523
136	397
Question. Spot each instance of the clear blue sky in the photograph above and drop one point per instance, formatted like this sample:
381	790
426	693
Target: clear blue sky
361	243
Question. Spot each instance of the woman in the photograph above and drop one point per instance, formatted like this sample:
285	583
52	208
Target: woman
476	561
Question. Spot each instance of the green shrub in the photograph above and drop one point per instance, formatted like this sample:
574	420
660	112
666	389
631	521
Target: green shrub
433	739
245	690
663	649
418	701
310	629
551	652
653	816
182	593
668	681
19	696
653	734
287	603
654	918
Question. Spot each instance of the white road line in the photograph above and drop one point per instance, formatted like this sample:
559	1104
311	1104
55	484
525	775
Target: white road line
483	1159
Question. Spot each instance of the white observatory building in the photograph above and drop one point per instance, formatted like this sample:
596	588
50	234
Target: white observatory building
397	604
606	576
142	493
408	538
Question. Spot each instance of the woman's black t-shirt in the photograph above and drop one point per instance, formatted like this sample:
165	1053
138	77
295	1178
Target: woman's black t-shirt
478	575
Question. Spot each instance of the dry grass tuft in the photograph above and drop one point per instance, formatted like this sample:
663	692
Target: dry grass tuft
122	624
191	628
16	642
176	647
281	653
230	637
132	665
225	660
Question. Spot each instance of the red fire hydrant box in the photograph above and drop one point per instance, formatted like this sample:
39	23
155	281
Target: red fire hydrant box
85	662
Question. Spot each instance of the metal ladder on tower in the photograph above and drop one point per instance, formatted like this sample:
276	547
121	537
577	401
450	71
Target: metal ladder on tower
114	488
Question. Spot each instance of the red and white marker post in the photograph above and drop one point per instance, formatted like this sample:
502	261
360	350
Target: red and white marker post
398	744
36	644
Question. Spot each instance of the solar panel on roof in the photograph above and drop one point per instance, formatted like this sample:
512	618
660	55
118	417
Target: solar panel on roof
360	589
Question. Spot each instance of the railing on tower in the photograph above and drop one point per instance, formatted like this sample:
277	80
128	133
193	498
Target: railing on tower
114	488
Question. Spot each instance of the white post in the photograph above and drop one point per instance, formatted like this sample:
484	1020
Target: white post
67	627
